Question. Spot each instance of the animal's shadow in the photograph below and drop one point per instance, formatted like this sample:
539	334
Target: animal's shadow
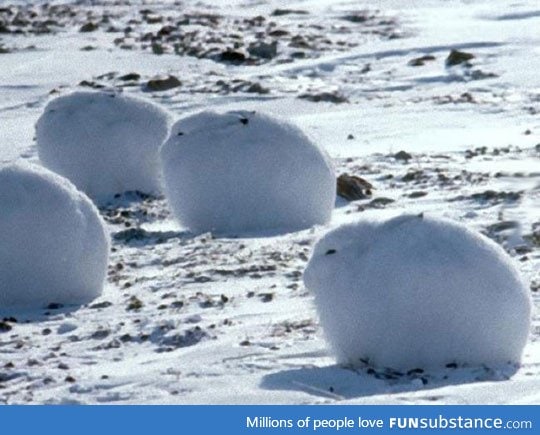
345	383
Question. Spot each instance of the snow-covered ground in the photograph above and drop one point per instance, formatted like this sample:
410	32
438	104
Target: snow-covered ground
198	319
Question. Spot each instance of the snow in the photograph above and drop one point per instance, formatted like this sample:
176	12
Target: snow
243	171
417	292
228	320
55	246
106	143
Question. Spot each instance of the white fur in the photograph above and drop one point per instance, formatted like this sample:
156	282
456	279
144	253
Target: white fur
105	143
54	245
414	292
244	171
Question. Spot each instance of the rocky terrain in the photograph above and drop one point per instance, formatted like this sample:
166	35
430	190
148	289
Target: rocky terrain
434	107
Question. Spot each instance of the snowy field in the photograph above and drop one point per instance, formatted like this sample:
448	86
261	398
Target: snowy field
196	318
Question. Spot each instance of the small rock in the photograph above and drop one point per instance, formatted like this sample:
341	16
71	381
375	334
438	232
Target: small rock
457	57
352	187
328	97
130	76
263	50
257	88
281	12
103	304
420	61
91	84
163	84
5	327
100	334
88	27
381	202
359	17
402	155
266	297
232	56
157	48
134	303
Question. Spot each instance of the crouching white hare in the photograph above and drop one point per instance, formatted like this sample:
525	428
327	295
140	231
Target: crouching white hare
415	292
105	143
243	171
54	246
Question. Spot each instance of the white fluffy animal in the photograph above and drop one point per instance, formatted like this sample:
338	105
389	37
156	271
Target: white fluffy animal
415	291
54	246
242	171
105	143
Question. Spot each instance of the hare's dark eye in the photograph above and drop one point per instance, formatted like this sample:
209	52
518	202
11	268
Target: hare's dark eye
330	252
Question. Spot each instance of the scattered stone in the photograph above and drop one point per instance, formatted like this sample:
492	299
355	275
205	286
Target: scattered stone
100	334
478	74
327	97
134	304
281	12
257	88
163	84
157	48
352	187
263	50
413	176
99	305
457	57
189	337
492	195
403	155
130	77
5	326
380	202
358	17
421	61
418	194
266	297
89	27
91	84
232	56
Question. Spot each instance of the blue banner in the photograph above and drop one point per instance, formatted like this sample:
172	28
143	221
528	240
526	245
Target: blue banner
132	420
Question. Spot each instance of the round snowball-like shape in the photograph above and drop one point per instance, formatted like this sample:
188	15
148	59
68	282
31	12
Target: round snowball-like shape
54	246
105	143
415	292
242	172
